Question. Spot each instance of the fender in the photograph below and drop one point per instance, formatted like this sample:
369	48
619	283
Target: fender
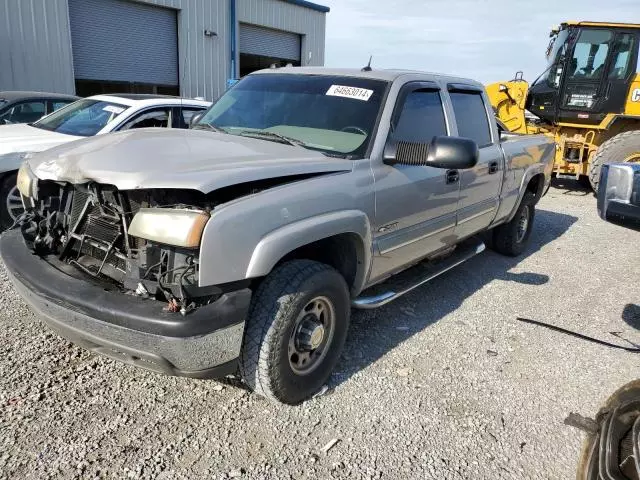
531	172
278	243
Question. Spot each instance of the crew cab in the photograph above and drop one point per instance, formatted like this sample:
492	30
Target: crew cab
243	243
83	118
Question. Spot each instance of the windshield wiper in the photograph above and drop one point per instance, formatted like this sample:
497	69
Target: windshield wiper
273	136
208	126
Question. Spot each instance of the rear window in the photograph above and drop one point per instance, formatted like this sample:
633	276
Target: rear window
471	117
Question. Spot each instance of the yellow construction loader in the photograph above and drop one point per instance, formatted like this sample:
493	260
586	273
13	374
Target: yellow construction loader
587	99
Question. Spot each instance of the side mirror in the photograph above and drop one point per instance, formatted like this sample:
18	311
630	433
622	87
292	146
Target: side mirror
619	194
451	153
195	119
503	88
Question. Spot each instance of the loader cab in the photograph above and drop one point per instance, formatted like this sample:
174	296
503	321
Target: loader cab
589	72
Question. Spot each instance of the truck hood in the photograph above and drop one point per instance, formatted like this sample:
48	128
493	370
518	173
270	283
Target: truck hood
174	158
24	138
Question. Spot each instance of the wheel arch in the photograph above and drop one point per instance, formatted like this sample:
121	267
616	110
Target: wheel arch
534	180
340	239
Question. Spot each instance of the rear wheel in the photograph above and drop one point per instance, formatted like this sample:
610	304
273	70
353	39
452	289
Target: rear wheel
624	147
10	201
512	238
296	329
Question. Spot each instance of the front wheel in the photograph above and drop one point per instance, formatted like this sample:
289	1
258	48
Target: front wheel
295	331
10	202
512	238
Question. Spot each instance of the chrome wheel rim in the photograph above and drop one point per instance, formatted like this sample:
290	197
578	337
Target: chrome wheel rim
14	204
311	335
523	224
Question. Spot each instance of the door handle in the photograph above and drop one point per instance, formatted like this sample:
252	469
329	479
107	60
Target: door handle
453	176
493	167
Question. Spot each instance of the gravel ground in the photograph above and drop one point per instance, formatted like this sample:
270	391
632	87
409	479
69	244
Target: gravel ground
444	383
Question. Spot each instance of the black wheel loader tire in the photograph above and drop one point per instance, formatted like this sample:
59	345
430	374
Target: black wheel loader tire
617	149
8	188
276	318
585	181
512	238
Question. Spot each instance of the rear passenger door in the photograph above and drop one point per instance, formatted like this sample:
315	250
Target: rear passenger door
415	205
479	186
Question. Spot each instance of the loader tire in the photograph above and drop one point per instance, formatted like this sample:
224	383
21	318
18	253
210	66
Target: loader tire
295	331
512	238
624	147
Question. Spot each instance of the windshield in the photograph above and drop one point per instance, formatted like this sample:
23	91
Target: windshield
332	114
552	73
83	118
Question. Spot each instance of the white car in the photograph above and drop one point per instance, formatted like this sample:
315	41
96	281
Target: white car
86	117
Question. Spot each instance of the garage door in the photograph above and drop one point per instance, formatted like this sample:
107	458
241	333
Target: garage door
121	41
265	42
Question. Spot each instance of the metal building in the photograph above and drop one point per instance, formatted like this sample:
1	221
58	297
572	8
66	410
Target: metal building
188	47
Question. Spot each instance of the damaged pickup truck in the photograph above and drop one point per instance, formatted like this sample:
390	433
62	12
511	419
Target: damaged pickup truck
242	244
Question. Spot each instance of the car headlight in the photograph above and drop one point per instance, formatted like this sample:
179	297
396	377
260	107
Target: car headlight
179	227
27	182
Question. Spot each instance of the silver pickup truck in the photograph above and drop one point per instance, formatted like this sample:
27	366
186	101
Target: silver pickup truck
242	244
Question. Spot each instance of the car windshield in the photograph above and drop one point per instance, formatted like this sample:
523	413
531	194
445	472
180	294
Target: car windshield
83	118
333	114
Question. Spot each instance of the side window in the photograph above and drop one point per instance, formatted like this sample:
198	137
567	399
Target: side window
57	105
155	118
186	115
421	118
622	56
26	112
471	117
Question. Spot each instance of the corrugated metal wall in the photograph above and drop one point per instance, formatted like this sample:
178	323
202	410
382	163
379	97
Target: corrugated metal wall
291	18
35	41
35	46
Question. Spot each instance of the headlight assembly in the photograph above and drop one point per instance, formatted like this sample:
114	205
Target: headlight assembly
27	182
178	227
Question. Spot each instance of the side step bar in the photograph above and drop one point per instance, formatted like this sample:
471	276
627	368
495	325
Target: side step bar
458	257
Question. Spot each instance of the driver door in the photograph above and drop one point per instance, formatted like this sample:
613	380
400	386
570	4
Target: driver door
415	205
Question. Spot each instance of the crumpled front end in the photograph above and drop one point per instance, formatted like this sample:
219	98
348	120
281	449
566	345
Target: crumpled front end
146	242
117	272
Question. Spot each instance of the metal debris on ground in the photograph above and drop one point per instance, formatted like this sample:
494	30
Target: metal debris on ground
585	424
578	335
321	392
332	443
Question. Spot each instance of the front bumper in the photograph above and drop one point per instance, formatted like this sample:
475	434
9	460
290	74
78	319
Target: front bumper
203	344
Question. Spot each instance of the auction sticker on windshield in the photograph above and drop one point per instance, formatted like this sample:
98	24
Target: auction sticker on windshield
349	92
113	109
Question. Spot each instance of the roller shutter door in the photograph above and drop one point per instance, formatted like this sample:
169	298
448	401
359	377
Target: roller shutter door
266	42
121	41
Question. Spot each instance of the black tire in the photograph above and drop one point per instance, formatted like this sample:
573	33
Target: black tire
266	363
7	186
584	181
509	238
617	149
